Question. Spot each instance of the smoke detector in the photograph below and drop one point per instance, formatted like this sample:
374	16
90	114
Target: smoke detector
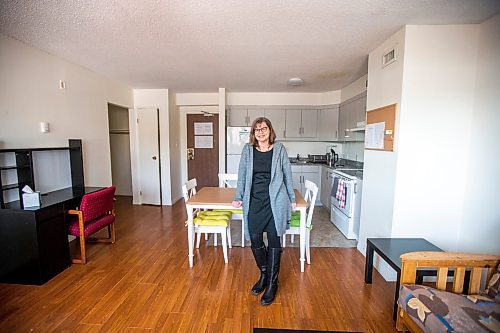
295	81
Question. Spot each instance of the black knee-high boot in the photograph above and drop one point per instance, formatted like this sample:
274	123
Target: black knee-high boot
260	255
273	262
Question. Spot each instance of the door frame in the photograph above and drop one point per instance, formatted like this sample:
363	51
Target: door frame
184	110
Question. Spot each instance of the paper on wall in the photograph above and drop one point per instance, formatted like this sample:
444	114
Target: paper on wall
374	136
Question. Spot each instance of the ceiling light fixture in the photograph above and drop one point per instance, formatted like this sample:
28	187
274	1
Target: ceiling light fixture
295	81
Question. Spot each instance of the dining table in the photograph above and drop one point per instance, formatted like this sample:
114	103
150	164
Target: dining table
222	198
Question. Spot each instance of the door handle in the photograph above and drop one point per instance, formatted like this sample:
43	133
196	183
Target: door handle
154	158
190	153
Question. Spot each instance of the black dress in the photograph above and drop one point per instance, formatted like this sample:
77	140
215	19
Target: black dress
260	215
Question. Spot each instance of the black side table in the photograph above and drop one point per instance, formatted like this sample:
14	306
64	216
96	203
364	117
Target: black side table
390	249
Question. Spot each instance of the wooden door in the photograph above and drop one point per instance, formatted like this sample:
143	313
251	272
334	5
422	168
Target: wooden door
203	149
149	156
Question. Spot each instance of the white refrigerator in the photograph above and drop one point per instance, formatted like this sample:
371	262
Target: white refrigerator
235	140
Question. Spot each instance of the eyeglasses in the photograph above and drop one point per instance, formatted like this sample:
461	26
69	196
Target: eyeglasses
261	130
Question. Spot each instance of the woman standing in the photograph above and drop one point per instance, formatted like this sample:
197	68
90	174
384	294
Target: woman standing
265	191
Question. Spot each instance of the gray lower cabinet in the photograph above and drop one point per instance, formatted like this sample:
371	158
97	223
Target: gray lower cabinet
326	187
301	173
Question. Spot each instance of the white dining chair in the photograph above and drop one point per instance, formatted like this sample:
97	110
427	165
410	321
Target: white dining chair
229	180
310	198
207	225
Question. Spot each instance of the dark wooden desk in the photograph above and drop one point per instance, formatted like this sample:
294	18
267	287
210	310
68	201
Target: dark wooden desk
390	249
34	241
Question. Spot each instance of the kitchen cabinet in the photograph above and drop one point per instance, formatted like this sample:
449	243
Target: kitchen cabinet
302	123
351	113
326	187
243	116
329	123
301	173
277	118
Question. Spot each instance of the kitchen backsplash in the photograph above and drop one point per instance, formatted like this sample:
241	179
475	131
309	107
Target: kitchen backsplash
350	150
354	151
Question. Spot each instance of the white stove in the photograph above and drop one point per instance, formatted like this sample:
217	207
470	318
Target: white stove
346	217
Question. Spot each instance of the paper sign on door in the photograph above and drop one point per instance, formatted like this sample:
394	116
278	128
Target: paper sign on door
203	141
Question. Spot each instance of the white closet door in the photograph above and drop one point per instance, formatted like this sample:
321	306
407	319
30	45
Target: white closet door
149	156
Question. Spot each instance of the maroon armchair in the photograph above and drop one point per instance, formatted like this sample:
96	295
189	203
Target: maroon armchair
96	212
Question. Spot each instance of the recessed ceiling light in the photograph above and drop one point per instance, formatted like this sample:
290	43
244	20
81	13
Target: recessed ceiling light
295	81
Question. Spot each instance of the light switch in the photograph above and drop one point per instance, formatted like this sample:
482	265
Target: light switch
44	127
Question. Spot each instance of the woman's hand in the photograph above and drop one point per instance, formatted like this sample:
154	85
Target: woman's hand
294	205
237	204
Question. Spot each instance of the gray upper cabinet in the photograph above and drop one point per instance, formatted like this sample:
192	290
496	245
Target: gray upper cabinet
352	116
277	118
329	123
243	116
302	124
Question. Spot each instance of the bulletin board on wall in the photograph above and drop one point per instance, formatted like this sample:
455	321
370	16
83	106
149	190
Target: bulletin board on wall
380	128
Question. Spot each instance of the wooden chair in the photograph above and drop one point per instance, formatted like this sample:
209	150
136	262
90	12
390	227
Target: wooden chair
229	180
310	198
442	261
95	212
207	225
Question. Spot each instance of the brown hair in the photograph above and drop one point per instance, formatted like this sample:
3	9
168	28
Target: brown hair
272	134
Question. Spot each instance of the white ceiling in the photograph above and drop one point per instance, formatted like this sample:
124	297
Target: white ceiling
252	45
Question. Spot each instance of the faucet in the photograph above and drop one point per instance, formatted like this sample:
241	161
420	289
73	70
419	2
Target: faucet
298	157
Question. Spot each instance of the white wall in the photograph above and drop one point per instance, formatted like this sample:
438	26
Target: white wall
442	180
175	149
379	176
222	132
29	94
480	226
436	111
155	98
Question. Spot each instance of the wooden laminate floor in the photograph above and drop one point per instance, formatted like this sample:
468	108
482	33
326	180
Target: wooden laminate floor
143	284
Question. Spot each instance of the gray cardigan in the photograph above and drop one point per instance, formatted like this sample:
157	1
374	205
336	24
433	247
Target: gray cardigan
280	189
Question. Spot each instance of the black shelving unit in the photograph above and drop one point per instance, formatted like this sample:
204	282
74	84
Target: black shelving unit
25	172
34	241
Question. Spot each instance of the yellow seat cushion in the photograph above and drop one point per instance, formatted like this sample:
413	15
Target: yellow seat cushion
204	222
234	211
226	217
206	213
